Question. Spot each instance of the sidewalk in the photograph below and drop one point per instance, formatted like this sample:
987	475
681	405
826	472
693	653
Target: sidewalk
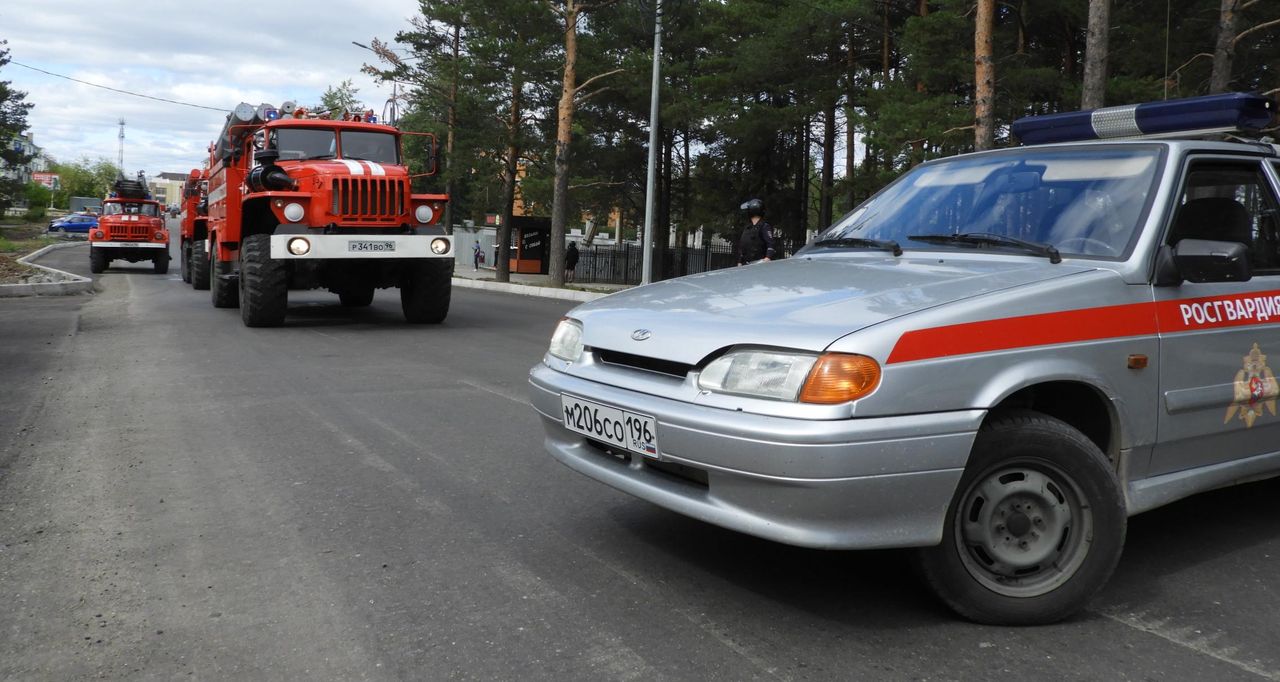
532	285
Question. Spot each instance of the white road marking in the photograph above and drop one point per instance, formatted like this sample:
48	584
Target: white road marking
500	392
1191	638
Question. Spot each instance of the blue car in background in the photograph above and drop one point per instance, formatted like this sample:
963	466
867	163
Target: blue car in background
76	224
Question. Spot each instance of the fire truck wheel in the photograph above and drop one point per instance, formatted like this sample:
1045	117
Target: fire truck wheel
97	260
425	290
1036	526
264	283
160	264
185	264
357	298
220	291
199	266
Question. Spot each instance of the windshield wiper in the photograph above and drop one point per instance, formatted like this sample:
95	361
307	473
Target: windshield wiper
882	244
990	238
322	157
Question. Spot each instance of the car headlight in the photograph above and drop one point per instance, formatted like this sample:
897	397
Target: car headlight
293	212
566	342
758	373
827	379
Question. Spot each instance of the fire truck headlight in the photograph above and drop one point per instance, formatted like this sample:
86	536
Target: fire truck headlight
424	214
294	212
299	246
440	246
99	234
160	236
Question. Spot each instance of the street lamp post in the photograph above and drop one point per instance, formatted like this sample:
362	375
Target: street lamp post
650	201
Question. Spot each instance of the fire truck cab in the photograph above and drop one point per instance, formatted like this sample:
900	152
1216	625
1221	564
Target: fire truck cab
130	228
194	230
301	203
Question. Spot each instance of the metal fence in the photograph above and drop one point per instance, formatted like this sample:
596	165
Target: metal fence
623	263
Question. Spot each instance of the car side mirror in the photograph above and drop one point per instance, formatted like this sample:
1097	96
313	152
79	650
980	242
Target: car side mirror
1202	260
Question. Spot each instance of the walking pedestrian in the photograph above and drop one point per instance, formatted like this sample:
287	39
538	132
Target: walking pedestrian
756	241
570	261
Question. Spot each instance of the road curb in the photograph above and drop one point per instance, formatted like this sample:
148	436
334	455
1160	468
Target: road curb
71	283
525	290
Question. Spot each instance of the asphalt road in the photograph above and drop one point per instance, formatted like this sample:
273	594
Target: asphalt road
349	497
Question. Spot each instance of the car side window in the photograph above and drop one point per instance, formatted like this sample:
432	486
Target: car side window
1225	201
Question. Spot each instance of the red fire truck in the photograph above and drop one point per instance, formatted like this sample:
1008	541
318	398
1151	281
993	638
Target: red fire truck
194	230
130	228
298	203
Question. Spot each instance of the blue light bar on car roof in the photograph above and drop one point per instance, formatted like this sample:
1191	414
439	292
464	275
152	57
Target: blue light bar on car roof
1189	117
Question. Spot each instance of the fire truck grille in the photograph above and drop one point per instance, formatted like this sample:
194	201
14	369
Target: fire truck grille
131	232
368	199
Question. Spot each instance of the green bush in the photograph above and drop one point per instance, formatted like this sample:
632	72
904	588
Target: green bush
34	214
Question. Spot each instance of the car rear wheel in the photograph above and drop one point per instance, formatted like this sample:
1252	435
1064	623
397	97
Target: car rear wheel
185	264
1035	528
199	266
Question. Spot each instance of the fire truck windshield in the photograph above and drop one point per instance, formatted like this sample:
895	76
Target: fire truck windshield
297	144
118	208
366	146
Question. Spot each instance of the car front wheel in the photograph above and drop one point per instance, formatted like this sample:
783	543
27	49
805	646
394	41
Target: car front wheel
1035	528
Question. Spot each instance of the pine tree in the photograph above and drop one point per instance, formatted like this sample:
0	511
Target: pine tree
13	122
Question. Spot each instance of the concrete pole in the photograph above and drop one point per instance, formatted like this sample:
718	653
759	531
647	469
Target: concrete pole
650	197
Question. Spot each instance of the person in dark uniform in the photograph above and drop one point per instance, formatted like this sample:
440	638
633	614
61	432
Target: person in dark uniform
756	242
570	261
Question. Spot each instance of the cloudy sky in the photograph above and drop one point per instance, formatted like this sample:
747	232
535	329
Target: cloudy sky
211	54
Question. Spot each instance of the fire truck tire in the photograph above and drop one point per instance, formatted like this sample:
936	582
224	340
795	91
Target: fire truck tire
425	291
264	284
1036	526
199	266
221	292
185	265
356	298
160	264
97	260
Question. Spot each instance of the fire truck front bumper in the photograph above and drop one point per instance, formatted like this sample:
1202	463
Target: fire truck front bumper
347	246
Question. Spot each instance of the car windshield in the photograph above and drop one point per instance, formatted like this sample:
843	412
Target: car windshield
297	144
365	146
1084	202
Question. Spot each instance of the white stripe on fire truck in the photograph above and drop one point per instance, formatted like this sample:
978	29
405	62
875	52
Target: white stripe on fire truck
376	168
353	167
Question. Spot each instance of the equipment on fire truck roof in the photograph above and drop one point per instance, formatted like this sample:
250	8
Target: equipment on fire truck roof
1188	117
131	189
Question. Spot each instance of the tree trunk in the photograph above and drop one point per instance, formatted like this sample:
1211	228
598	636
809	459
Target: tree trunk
564	135
850	131
1095	55
826	198
1220	80
451	132
509	178
984	77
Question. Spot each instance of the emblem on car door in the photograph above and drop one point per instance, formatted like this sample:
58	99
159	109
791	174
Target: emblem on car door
1255	387
640	334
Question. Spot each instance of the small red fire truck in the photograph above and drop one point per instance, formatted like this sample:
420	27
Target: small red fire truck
130	228
193	230
297	203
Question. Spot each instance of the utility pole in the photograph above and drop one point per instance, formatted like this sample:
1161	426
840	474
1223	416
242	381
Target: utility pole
650	197
120	158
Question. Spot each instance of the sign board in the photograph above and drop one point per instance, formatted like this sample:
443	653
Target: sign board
49	180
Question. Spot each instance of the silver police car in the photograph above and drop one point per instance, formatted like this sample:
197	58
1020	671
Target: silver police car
997	359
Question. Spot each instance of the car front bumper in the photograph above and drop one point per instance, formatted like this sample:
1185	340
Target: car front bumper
839	484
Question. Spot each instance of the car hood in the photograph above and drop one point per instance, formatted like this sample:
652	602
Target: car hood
801	303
